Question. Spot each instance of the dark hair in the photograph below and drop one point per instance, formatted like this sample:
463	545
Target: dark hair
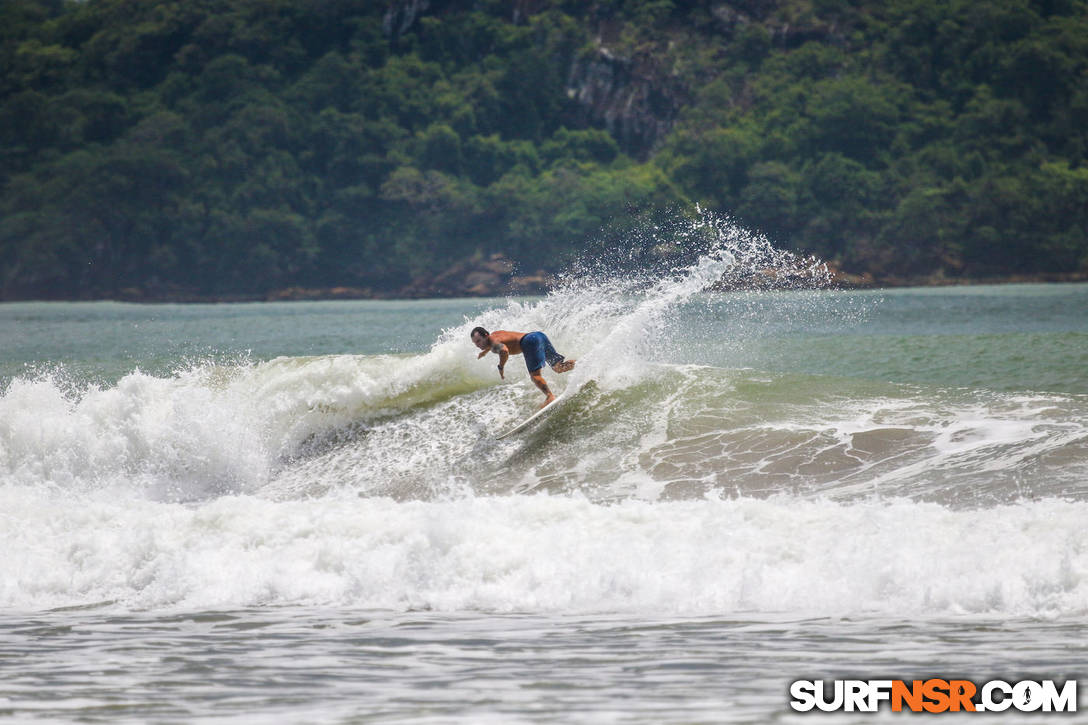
480	330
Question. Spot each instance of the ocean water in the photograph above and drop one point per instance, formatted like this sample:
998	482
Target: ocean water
299	512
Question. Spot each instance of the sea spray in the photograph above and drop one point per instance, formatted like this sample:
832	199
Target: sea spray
145	432
641	419
615	308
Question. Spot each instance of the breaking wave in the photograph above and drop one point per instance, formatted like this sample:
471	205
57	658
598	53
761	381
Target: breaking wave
671	479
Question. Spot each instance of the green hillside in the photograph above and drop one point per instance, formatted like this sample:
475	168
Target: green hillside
233	147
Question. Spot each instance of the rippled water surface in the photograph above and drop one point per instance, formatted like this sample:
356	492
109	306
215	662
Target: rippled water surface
331	665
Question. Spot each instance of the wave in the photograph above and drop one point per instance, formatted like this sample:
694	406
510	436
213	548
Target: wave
209	429
640	420
416	427
542	553
660	485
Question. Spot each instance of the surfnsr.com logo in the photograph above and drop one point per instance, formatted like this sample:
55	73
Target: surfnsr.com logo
933	695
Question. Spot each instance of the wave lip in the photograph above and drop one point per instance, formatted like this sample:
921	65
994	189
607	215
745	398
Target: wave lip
546	553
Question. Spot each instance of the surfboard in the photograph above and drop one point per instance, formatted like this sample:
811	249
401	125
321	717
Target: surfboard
532	418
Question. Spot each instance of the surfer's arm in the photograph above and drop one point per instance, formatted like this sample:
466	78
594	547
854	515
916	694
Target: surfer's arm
504	355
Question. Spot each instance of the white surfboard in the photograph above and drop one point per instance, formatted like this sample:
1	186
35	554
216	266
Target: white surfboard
532	418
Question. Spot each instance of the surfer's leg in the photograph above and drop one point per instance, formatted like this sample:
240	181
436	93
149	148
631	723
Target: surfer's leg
540	382
557	362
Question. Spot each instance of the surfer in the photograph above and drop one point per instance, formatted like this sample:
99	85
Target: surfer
536	347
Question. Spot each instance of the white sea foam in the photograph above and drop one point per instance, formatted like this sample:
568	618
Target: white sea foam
377	481
209	429
546	554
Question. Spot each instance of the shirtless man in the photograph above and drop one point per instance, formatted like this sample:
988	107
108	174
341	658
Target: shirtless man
536	347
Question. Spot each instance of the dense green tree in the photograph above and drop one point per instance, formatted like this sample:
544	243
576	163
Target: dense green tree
226	147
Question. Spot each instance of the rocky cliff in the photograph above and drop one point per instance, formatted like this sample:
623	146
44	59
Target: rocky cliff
635	99
637	104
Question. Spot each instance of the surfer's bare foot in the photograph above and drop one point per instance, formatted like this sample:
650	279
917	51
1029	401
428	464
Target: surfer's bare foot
564	366
551	398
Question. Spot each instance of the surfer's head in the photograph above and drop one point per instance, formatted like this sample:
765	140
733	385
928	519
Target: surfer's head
479	337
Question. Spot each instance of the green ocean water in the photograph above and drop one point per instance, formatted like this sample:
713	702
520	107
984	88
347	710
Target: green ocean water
299	512
1001	337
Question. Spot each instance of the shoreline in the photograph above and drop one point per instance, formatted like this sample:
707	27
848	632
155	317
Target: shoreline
514	288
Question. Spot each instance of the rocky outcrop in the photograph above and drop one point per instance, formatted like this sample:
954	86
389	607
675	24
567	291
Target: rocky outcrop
523	9
635	101
401	15
732	16
636	105
491	277
729	17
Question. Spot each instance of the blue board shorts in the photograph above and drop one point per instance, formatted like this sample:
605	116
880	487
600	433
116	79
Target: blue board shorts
536	347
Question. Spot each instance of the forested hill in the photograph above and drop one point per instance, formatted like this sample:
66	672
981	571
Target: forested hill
166	148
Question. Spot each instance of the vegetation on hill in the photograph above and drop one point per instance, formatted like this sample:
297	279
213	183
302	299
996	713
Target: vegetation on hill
234	147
